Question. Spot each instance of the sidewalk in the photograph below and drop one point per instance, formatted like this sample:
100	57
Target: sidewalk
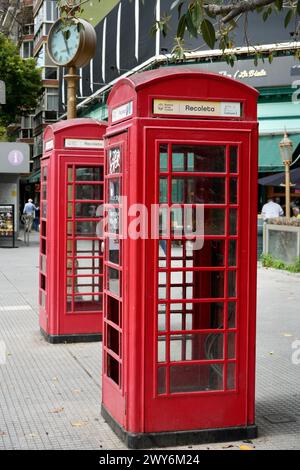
50	395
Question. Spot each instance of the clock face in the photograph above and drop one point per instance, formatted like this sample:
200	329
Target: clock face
63	42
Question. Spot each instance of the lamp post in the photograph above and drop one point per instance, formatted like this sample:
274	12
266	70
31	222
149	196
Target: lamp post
286	152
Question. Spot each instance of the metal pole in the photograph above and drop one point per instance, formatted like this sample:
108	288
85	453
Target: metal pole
71	79
287	190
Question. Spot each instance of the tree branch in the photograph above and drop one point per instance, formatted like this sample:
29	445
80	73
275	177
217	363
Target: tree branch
231	10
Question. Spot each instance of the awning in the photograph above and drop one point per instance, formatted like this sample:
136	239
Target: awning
279	178
35	177
274	119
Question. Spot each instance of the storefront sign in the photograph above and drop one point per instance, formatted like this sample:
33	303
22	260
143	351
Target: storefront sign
14	157
122	112
7	225
197	108
84	143
281	72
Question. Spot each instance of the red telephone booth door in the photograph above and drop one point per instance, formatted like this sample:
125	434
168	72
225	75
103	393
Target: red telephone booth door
199	365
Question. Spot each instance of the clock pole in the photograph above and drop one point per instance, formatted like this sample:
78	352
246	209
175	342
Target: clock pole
72	79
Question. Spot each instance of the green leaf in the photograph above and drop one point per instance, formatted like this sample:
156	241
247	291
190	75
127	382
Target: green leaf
190	24
197	14
208	33
279	4
298	7
270	58
288	17
181	27
265	15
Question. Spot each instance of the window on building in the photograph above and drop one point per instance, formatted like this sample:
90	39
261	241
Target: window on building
27	49
51	99
51	10
50	73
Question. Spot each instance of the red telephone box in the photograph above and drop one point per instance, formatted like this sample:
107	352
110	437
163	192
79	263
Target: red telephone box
71	259
180	306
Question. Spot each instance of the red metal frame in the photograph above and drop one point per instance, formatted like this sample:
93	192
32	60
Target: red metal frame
154	396
73	278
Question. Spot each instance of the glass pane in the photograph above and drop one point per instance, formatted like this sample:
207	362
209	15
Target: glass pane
113	220
113	342
231	315
198	190
70	192
88	284
69	304
187	220
162	251
233	159
211	254
232	222
87	247
231	345
161	351
87	210
42	299
198	158
113	191
162	293
113	369
231	376
231	283
198	315
163	190
89	191
44	173
85	229
89	173
206	284
114	250
196	377
43	264
214	221
113	281
163	158
198	346
44	191
44	210
113	313
70	174
89	265
233	195
283	245
161	380
232	253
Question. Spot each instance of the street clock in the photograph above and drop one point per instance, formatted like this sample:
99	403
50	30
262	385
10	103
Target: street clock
71	42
